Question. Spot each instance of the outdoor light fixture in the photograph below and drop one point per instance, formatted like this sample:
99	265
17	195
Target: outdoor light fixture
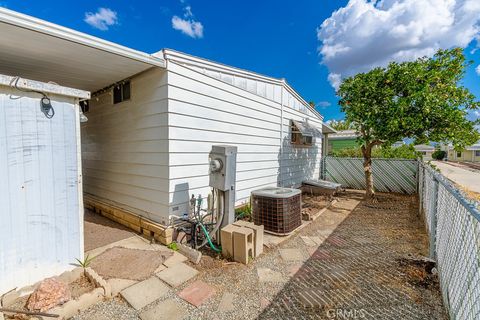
83	118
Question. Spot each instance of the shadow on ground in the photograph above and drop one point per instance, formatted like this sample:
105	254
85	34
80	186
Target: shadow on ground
100	231
365	268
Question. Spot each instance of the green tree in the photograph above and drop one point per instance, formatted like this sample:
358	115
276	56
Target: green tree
421	99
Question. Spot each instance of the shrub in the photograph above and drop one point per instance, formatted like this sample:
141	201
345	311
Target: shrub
402	152
439	155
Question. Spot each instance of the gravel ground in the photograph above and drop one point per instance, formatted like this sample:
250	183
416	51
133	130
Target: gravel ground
108	310
252	298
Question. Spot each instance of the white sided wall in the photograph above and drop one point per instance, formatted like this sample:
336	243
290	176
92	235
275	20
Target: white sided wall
150	154
204	110
41	213
125	147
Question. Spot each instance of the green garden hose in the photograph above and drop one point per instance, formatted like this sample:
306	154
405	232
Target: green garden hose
208	238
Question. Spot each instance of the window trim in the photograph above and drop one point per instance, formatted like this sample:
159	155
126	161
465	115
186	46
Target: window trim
127	82
300	140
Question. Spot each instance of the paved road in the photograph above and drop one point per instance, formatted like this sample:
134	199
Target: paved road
467	178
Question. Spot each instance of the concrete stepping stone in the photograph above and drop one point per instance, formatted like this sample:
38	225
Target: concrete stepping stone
268	275
308	241
118	285
197	293
226	304
175	259
165	310
145	292
291	254
318	240
177	275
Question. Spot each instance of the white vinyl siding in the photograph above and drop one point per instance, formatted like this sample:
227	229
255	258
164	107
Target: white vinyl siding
203	111
151	153
125	147
41	210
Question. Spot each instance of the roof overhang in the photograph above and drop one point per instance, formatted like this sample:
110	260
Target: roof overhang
306	129
35	49
326	129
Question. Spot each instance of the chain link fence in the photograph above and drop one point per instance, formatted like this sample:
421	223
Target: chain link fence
453	225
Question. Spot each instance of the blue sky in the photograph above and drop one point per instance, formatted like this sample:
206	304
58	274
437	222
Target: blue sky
280	39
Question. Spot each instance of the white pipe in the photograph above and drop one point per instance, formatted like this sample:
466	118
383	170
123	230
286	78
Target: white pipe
281	137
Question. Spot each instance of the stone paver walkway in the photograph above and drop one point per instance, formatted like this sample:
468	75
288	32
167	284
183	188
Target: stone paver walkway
347	264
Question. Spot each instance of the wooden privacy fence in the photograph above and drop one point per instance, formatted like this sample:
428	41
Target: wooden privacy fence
389	175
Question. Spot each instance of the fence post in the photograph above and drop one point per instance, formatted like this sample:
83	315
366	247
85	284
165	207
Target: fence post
433	219
322	168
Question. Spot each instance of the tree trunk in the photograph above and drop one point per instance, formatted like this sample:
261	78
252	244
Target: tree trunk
367	167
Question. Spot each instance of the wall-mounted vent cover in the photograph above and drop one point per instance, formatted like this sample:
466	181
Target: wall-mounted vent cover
277	209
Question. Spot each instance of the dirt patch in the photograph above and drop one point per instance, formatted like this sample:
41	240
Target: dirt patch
419	272
100	231
311	204
80	286
130	264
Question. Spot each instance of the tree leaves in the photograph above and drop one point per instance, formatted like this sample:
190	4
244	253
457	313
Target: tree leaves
421	99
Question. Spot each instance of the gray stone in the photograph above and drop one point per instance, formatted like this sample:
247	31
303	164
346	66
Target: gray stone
268	275
145	292
175	259
226	304
291	254
308	241
177	275
117	285
318	240
165	310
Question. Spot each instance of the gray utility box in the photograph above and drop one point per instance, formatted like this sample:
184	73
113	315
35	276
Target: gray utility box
223	167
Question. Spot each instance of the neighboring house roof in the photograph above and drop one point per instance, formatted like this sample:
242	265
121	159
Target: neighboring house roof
473	147
398	144
343	134
424	147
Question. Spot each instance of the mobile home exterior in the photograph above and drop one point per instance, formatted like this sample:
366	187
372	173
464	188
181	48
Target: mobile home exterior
470	153
41	232
150	152
425	150
153	118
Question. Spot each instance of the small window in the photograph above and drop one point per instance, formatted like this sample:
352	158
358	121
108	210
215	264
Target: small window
298	137
459	154
121	92
477	153
424	153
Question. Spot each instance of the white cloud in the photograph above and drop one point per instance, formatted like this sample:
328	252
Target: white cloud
366	34
188	25
477	69
188	12
102	19
335	80
324	104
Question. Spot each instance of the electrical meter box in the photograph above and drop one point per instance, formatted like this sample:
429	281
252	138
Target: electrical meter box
223	167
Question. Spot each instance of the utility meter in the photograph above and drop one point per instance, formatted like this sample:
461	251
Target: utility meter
223	167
